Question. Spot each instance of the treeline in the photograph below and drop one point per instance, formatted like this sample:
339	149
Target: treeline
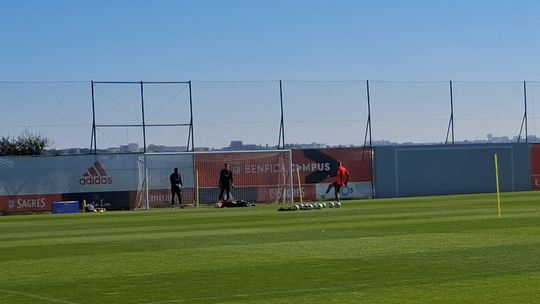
25	144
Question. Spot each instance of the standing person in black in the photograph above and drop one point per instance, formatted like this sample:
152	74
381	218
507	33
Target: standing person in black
225	182
176	186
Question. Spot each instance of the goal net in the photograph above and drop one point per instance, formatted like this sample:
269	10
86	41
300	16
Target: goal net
258	176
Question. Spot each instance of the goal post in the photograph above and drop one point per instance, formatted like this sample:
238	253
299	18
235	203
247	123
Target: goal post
258	176
154	188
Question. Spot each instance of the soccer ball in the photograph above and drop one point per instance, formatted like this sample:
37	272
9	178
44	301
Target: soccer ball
331	205
338	205
296	207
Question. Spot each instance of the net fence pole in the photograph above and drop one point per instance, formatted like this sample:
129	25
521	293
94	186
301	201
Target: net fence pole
452	108
143	120
147	191
281	139
450	129
191	120
525	118
369	111
93	139
368	126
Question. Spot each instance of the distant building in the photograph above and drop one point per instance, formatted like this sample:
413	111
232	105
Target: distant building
312	145
236	145
160	148
201	149
129	148
113	150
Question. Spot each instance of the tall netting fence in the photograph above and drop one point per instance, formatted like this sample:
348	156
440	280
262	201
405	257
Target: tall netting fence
59	111
118	116
227	113
167	116
325	113
137	117
142	116
409	112
533	110
488	112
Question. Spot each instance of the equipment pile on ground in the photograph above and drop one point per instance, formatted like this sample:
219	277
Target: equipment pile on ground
310	206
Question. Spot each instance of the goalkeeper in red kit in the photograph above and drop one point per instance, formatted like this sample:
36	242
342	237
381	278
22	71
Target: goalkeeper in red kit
342	178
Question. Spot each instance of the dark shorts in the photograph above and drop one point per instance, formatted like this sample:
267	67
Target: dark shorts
337	186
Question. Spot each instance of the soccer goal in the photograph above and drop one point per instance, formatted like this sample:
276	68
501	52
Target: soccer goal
258	176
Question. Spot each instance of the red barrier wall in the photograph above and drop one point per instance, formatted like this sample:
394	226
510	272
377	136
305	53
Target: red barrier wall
28	203
535	166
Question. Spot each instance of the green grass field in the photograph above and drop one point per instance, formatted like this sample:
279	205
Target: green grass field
447	249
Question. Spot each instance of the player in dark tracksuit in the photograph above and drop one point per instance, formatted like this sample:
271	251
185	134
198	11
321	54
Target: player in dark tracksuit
226	182
176	186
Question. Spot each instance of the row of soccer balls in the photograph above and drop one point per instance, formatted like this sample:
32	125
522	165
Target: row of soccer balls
317	206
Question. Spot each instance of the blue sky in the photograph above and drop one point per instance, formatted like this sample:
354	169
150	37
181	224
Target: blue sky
268	40
308	40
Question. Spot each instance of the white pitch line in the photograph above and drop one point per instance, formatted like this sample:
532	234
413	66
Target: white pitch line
33	296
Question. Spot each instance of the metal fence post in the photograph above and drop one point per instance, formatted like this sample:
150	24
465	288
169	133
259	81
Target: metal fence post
451	121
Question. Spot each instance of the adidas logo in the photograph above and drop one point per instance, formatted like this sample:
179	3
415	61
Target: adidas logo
95	175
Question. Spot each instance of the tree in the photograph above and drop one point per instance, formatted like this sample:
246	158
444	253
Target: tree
25	144
7	146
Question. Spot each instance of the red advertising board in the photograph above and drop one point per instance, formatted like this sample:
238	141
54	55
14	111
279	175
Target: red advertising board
319	165
28	203
317	169
162	197
257	176
249	169
264	171
535	166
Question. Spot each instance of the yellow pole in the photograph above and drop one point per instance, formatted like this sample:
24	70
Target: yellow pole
497	181
197	188
299	185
